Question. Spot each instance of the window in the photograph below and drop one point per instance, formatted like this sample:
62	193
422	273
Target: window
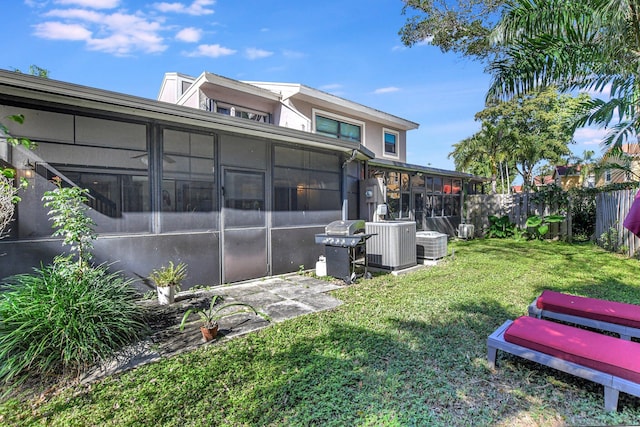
335	128
306	186
189	199
391	142
238	111
185	86
398	195
107	157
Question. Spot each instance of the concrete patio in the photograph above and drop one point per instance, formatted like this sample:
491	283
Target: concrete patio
280	298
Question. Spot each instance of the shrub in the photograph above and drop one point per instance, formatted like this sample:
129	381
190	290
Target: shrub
501	227
68	212
59	321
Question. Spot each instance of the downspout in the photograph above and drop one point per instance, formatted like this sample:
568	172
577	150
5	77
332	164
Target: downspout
345	187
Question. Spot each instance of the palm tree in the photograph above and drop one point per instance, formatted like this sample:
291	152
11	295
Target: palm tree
586	45
484	150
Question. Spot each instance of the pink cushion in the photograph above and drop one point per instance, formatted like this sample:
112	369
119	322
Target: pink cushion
608	311
614	356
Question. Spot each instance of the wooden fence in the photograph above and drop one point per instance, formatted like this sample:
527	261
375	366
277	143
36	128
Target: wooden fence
612	207
517	206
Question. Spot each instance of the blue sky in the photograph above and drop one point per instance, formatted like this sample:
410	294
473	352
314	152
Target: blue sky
350	48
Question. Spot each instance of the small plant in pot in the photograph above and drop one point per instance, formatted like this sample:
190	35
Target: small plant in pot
211	315
168	280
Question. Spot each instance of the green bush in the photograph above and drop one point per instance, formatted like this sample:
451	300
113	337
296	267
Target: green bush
501	227
62	319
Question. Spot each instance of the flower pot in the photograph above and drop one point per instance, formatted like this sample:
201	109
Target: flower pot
209	333
166	294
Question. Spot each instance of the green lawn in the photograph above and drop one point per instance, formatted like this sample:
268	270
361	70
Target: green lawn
400	351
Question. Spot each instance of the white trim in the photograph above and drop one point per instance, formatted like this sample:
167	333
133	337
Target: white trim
395	155
315	111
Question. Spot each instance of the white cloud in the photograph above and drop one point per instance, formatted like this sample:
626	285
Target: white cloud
189	35
95	4
253	53
589	136
212	51
389	89
604	93
76	14
198	7
117	33
60	31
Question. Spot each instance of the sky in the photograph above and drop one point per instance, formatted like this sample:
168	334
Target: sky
349	48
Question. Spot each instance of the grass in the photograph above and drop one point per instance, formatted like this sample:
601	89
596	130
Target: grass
400	351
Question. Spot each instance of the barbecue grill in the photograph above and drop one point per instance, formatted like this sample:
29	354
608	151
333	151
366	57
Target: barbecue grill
344	241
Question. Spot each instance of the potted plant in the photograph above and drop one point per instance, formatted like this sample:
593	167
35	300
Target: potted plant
168	280
210	316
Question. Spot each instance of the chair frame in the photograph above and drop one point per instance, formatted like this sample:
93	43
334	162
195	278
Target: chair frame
613	385
625	332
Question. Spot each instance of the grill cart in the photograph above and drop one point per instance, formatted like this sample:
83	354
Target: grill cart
344	241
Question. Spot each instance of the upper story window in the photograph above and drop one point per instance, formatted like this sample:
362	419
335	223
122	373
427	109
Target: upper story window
391	142
335	127
184	86
237	111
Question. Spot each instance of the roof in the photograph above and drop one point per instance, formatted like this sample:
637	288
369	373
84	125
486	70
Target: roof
543	180
425	169
41	91
321	98
568	170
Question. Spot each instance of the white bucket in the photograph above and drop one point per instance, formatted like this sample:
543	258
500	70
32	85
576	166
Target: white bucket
321	267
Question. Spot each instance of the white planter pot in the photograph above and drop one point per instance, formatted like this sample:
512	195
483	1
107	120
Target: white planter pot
166	294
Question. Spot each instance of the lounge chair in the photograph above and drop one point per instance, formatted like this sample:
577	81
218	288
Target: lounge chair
603	359
617	317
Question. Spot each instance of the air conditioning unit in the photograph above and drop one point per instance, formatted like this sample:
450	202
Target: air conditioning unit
466	231
431	245
394	245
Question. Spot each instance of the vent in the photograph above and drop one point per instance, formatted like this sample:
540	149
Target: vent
431	245
466	231
393	246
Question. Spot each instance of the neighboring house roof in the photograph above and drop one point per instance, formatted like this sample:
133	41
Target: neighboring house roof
543	180
567	170
631	149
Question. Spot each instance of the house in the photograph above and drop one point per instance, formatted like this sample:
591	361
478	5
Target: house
569	176
626	166
429	196
233	178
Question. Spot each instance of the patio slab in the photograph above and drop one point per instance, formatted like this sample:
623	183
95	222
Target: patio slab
281	298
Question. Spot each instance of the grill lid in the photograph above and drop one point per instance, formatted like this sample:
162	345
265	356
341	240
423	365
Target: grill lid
345	227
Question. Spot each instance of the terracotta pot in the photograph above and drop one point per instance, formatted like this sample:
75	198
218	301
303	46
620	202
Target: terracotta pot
209	333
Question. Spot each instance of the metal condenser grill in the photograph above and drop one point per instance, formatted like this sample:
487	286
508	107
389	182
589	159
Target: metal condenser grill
344	241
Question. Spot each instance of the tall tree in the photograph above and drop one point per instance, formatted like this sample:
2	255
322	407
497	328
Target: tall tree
481	154
458	26
589	45
533	128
